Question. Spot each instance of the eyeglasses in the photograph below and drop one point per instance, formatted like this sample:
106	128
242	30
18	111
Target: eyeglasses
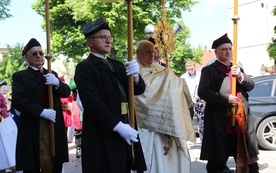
190	69
40	53
104	38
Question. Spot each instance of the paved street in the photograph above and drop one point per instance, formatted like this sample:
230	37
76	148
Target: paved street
74	164
198	166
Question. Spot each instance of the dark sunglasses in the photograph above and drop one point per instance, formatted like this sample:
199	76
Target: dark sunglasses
37	53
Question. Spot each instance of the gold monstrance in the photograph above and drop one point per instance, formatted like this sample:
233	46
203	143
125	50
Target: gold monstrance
164	35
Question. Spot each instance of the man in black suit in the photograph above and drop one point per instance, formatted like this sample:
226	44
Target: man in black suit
103	89
220	138
30	98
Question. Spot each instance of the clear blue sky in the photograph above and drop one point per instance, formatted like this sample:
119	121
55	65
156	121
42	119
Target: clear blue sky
207	21
24	25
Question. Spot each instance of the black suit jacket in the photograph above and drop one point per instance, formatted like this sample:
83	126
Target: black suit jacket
26	98
214	140
104	150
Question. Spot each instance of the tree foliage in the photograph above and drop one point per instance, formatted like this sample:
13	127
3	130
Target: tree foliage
4	10
183	51
12	62
271	49
67	17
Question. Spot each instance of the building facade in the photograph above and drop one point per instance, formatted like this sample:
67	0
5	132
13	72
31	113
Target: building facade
255	33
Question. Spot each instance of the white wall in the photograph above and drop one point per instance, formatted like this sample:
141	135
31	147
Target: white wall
255	30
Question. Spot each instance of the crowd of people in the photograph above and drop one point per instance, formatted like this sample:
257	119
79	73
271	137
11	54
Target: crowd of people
8	134
265	70
95	103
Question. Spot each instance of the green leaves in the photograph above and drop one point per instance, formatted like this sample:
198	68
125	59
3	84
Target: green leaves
271	49
67	18
4	10
12	62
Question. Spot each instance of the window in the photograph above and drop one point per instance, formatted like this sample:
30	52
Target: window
275	91
262	89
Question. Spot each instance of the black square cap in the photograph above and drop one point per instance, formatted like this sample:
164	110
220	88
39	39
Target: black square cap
95	26
221	40
32	43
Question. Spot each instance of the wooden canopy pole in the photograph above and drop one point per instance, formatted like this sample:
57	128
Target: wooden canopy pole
50	91
163	4
130	57
235	19
130	77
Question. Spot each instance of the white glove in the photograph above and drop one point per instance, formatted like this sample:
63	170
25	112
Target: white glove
51	79
49	114
132	67
126	132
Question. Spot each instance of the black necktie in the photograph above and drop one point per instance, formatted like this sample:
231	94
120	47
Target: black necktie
110	65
